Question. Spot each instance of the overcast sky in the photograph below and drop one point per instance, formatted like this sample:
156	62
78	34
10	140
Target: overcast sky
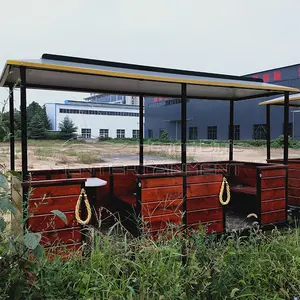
231	37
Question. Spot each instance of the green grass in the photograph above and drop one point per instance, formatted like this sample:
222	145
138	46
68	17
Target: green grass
262	266
88	157
43	152
174	156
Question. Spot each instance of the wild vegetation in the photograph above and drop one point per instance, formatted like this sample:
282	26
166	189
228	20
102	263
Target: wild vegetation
172	266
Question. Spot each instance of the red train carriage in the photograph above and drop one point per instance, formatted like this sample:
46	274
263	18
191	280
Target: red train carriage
293	163
187	194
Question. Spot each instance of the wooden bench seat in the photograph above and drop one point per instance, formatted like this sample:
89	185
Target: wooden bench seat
130	199
249	190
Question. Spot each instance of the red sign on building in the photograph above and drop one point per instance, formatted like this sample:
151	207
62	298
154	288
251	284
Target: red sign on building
277	75
160	99
266	77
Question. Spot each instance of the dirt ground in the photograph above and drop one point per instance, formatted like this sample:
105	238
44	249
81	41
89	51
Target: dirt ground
58	154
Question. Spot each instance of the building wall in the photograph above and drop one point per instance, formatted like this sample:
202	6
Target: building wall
107	98
162	113
93	121
50	110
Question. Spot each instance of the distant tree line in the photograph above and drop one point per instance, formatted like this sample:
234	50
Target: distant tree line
38	124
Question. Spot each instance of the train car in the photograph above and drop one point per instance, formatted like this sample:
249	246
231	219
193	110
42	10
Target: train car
182	194
293	163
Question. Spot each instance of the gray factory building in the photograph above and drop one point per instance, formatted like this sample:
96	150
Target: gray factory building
209	119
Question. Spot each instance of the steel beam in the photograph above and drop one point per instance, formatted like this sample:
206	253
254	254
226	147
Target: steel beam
268	120
11	128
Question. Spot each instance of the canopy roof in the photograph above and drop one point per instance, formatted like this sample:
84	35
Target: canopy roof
55	72
294	100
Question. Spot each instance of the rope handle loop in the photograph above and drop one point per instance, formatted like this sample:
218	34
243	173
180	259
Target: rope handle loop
83	195
224	182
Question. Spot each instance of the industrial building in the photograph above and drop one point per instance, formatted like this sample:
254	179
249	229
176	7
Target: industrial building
209	119
108	98
95	120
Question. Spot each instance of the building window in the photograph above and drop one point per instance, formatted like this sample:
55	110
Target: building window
290	129
98	112
150	133
135	133
259	131
236	132
86	133
120	133
211	132
193	133
103	133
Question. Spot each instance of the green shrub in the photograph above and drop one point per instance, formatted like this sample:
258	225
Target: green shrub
254	143
164	135
52	135
105	139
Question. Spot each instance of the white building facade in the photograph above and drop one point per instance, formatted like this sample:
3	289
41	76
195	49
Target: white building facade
95	120
108	98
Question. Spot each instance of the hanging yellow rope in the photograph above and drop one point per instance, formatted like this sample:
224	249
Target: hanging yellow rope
224	182
88	208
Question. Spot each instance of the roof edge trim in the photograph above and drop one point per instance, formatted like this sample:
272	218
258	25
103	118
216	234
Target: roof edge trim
89	61
44	66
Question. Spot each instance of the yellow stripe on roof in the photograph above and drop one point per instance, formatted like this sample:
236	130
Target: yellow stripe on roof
145	77
279	100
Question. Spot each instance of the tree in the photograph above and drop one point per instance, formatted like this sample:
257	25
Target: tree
45	118
36	128
35	109
67	128
5	125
